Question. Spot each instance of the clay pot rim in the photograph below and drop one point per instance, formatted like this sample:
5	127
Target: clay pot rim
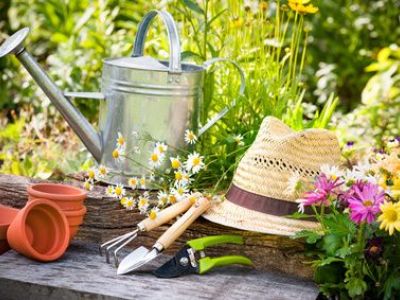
7	223
78	194
55	255
75	213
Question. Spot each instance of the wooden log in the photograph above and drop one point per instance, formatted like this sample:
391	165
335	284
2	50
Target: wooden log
105	219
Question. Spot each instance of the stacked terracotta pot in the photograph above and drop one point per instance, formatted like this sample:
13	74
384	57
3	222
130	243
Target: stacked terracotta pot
68	198
43	229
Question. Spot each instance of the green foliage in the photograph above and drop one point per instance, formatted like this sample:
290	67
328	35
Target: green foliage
346	36
73	37
378	115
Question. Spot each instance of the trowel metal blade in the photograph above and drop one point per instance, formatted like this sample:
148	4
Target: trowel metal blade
136	259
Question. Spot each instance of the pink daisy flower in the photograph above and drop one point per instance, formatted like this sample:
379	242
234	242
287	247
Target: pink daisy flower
364	202
324	187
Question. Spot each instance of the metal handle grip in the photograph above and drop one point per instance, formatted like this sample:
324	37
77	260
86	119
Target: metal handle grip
173	36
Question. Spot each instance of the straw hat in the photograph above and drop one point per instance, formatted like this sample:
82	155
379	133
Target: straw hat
260	196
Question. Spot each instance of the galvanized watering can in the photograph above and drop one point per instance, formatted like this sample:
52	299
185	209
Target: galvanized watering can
139	94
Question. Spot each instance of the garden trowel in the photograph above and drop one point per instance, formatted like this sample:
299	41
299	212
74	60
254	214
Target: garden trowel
142	255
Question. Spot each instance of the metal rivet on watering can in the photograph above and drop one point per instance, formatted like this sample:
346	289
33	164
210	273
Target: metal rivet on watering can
157	99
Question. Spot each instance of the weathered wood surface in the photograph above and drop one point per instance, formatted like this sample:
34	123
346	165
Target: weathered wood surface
82	274
105	218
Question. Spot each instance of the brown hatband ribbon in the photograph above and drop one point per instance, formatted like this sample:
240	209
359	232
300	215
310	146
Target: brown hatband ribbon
265	204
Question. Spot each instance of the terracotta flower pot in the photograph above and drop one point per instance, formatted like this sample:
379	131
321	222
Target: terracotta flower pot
7	215
67	197
39	231
75	218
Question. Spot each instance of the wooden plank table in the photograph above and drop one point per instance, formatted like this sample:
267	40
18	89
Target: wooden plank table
106	218
83	274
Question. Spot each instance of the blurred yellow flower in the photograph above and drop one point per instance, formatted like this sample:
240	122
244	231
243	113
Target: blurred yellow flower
390	217
301	7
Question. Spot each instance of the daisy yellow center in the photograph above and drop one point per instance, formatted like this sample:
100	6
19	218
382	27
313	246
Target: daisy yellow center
91	174
132	181
121	140
172	199
87	185
143	202
115	153
102	171
196	161
192	199
118	191
178	176
175	164
368	203
154	157
143	181
180	191
152	215
191	136
124	201
391	215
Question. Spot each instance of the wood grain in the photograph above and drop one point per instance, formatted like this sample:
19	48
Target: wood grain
82	274
105	219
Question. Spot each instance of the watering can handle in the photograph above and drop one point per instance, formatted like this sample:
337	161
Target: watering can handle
173	36
207	64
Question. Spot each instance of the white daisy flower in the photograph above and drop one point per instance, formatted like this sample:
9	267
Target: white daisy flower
143	204
193	197
172	198
239	139
128	203
88	185
180	192
143	182
162	198
121	143
161	147
194	163
175	162
156	159
153	213
110	191
119	191
102	171
352	176
294	185
91	174
364	168
133	182
190	137
118	154
332	172
181	178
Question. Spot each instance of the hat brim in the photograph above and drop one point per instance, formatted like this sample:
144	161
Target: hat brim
232	215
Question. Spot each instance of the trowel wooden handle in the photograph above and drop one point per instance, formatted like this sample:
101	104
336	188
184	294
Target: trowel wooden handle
183	223
165	215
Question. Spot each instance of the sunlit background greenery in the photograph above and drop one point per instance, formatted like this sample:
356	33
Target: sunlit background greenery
339	65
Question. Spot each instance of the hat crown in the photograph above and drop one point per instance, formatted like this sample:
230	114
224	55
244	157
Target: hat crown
279	153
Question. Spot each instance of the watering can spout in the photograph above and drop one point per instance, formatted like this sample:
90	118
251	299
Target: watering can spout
82	127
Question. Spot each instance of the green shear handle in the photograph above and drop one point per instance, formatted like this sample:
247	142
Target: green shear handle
208	241
207	263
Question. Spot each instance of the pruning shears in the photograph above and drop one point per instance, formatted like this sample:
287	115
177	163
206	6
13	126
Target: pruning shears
191	259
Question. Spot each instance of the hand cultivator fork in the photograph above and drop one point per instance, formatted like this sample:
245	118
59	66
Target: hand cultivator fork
116	244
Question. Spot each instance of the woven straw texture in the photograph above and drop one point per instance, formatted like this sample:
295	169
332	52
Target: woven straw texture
277	155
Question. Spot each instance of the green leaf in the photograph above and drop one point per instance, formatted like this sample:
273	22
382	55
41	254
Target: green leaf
356	287
193	6
343	252
311	237
392	283
329	273
331	242
185	55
